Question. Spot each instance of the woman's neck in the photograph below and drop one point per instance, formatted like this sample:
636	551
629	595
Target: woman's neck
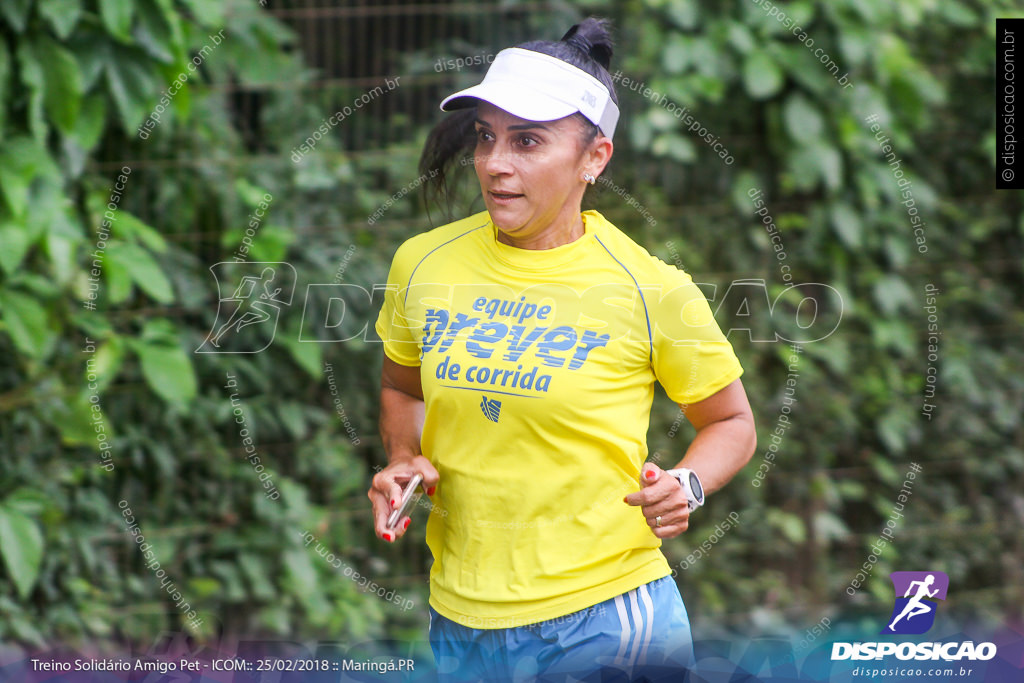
553	236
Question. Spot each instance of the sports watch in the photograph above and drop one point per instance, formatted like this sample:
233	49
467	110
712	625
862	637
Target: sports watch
690	482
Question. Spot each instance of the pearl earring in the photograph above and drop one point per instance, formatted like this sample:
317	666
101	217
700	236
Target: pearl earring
589	178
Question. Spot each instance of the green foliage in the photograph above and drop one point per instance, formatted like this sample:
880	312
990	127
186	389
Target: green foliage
22	545
105	294
844	220
99	351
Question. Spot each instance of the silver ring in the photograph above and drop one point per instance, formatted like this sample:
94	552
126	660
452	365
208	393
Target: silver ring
657	521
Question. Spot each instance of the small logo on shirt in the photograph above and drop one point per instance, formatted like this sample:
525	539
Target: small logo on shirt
491	408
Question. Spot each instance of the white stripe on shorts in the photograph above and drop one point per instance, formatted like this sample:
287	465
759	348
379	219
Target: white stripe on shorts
645	596
638	620
620	607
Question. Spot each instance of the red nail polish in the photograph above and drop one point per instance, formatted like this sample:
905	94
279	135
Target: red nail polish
388	536
431	490
650	474
406	525
394	503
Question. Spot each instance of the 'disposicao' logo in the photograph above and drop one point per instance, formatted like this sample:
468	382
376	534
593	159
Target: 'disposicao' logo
916	593
913	614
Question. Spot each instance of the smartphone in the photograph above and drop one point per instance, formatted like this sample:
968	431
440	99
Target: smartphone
409	497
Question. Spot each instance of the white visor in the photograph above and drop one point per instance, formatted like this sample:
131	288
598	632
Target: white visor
538	87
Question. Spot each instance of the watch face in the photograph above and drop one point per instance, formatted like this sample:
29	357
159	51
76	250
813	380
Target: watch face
698	492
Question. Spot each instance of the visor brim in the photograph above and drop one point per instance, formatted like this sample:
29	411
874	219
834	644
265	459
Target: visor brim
514	98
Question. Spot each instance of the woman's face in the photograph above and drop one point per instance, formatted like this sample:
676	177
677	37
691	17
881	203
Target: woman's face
531	172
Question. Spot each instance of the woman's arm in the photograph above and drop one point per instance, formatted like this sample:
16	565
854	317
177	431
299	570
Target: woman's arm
725	436
401	424
724	443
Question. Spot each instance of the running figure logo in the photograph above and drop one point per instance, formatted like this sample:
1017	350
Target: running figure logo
914	612
256	300
491	408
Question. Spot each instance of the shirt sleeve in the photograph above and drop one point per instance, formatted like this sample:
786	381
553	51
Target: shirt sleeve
692	359
401	339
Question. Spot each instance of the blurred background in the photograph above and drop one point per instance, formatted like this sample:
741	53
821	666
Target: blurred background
112	351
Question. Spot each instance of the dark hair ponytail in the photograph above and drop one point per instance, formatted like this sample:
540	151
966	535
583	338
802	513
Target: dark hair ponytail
447	145
593	39
588	46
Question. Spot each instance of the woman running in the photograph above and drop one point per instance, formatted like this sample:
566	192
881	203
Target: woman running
521	349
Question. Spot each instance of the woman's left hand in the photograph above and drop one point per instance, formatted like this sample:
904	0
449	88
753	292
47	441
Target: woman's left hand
661	496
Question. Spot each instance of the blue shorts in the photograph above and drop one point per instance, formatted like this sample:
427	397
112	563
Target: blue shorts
642	635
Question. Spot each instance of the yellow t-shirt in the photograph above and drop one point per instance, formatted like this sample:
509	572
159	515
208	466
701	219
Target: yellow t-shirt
538	369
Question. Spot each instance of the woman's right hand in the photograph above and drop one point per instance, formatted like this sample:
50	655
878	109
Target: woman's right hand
386	492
